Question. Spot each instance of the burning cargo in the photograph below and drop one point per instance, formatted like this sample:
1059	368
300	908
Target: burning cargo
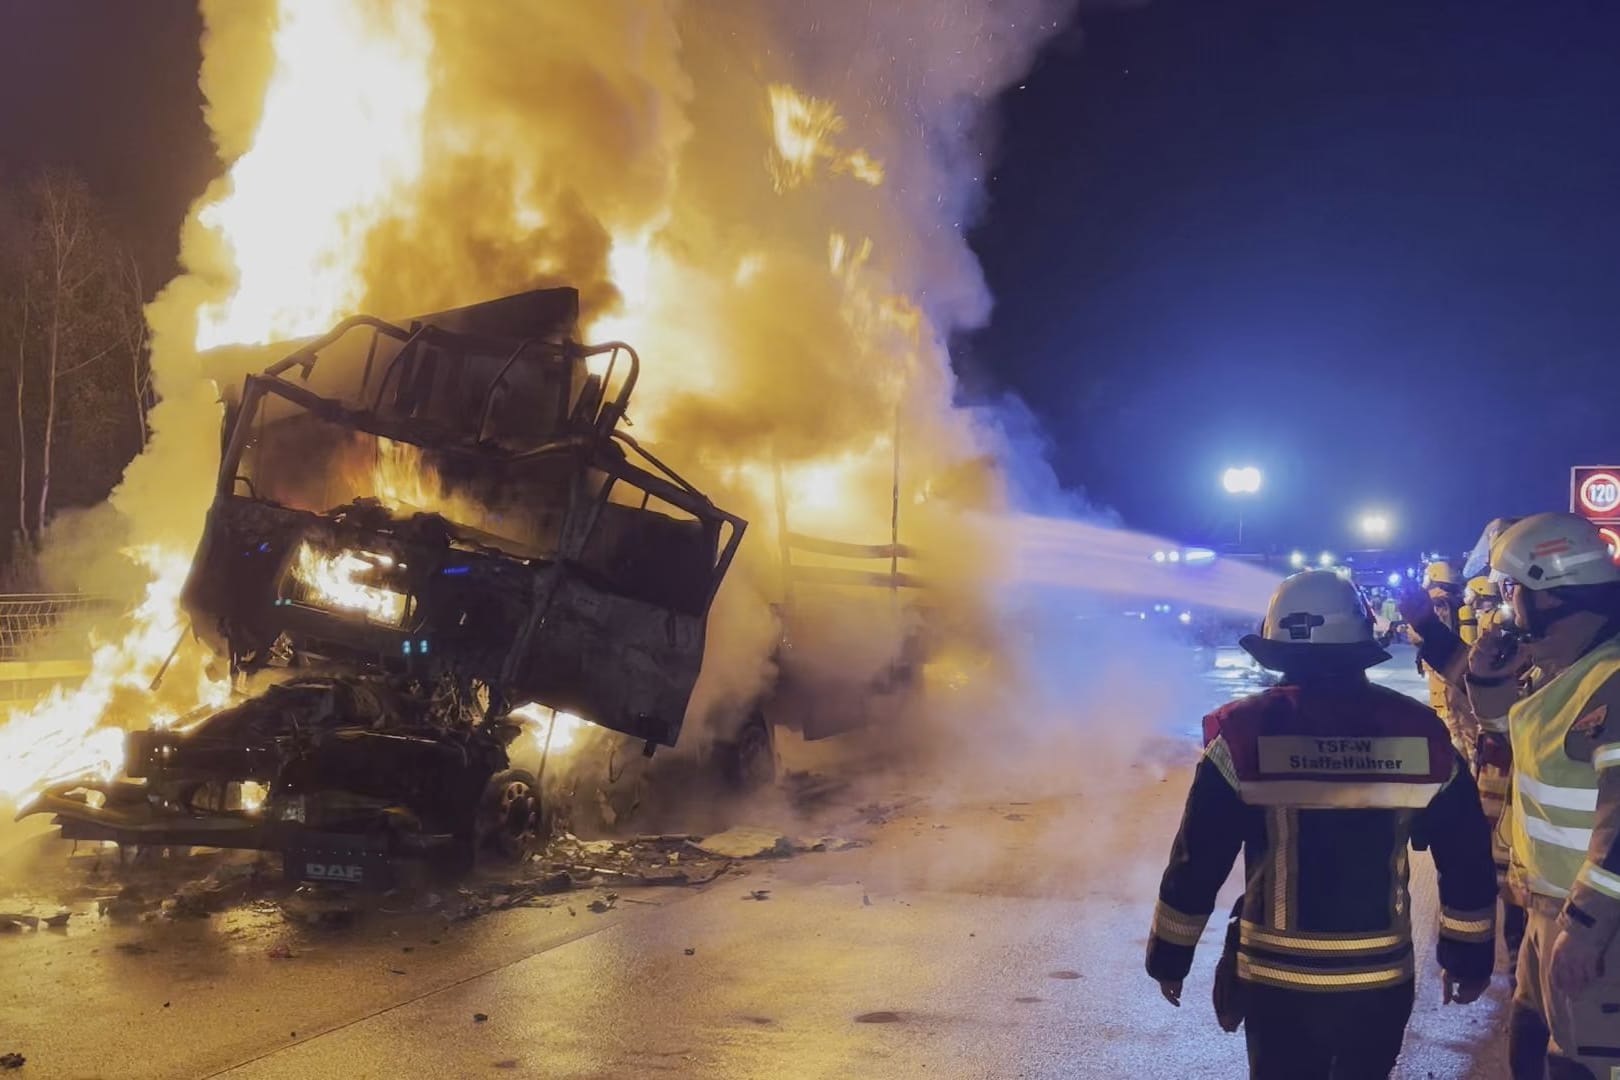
431	537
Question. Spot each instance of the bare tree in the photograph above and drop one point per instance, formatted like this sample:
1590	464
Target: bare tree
131	314
22	417
16	241
68	320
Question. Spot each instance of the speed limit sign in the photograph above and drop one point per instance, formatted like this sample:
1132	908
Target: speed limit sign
1597	494
1594	493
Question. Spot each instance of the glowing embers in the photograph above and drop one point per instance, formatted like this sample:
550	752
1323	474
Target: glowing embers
342	581
805	130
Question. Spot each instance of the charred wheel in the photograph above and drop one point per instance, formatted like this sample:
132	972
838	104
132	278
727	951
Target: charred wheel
510	818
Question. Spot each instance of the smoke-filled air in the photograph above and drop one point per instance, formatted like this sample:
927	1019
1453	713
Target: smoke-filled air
768	200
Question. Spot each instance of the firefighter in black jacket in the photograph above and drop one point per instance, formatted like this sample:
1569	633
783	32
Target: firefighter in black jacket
1323	781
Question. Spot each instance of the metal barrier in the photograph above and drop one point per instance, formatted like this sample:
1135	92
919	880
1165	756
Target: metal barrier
32	659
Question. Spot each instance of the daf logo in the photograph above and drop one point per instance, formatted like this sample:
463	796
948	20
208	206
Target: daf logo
334	871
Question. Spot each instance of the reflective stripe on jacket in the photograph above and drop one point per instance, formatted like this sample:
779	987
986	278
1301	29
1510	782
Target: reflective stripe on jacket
1323	790
1555	796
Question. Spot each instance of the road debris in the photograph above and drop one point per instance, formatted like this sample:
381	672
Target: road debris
58	921
746	842
691	952
758	894
826	843
126	904
12	1061
223	887
479	1018
320	908
882	1017
880	813
11	922
280	952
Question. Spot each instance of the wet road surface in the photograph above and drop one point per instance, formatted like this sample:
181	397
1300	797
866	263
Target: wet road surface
969	939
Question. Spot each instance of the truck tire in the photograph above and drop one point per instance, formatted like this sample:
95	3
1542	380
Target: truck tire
511	822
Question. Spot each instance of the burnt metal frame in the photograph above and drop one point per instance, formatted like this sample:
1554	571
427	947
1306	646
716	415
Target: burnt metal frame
670	486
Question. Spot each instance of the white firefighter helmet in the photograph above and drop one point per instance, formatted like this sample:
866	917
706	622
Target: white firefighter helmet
1551	551
1316	617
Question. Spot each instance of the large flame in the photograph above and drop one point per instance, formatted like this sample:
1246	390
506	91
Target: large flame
64	735
341	135
787	260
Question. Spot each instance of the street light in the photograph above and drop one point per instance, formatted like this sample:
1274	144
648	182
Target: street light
1241	480
1375	526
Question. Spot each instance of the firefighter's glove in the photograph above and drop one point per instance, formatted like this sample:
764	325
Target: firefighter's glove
1577	960
1495	658
1171	989
1457	991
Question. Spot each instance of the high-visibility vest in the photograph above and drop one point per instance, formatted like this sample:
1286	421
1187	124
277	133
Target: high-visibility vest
1554	796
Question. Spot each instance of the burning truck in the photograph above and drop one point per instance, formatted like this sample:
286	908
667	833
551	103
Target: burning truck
428	542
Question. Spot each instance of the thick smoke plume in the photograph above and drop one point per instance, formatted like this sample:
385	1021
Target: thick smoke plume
768	199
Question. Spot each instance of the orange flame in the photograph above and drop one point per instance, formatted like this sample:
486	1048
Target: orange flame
335	580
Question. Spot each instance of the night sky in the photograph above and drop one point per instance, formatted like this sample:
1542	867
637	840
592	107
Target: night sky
1370	247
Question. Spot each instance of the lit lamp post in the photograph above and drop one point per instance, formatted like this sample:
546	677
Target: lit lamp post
1241	481
1375	527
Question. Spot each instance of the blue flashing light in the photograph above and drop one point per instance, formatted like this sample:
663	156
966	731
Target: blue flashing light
1198	555
264	546
452	570
421	646
405	647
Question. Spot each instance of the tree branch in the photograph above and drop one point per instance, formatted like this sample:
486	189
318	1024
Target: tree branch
81	365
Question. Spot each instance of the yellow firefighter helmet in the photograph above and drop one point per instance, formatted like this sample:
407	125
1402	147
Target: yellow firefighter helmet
1439	573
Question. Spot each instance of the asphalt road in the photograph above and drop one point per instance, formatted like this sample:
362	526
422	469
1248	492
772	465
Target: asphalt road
972	937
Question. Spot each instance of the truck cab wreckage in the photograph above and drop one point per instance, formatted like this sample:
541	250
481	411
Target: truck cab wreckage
426	541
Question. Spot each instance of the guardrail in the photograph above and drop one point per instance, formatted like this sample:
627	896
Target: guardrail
32	660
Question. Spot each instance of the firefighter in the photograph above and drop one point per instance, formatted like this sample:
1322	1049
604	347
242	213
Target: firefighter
1391	611
1556	679
1448	701
1484	599
1323	781
1444	652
